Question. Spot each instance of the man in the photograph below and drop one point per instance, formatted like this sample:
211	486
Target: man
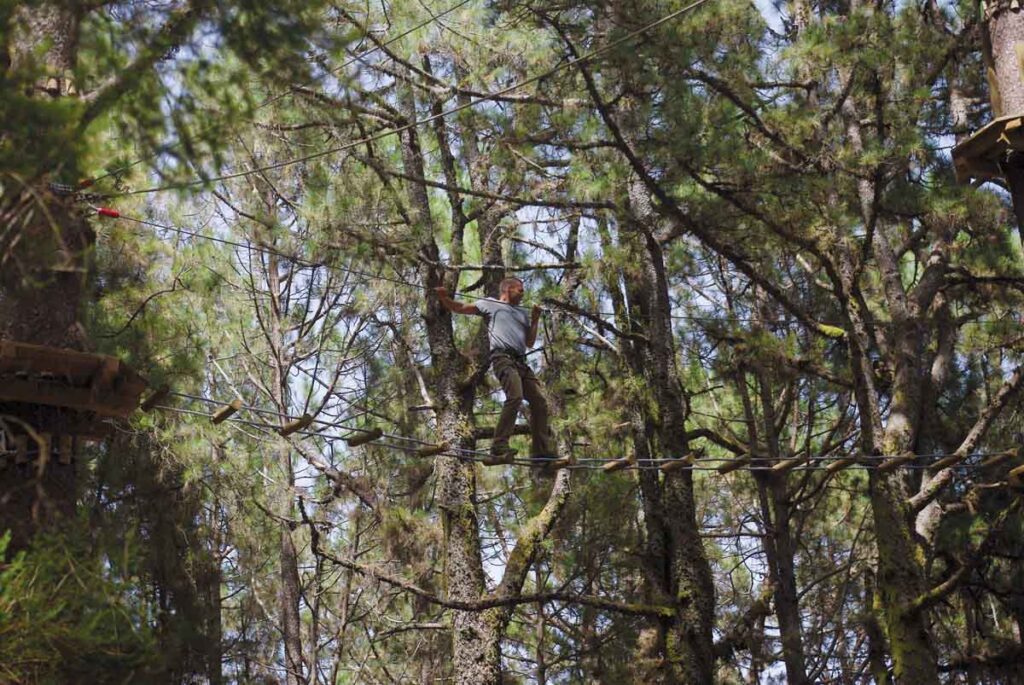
510	333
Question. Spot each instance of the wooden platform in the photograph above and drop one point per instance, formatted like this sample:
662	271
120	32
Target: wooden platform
53	399
54	377
978	156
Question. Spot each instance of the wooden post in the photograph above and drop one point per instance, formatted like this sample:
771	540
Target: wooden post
896	462
840	464
733	464
999	458
45	443
66	452
431	450
617	464
365	437
947	461
1014	478
295	426
678	464
224	412
787	464
497	461
20	449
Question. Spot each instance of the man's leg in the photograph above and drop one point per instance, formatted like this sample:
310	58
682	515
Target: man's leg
512	384
544	444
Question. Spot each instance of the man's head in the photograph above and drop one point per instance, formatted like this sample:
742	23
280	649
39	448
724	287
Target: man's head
511	290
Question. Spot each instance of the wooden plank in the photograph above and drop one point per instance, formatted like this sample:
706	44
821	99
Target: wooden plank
79	366
431	450
225	412
977	155
295	426
678	464
733	464
57	395
979	143
365	437
947	461
77	369
158	396
840	464
896	462
787	464
999	458
1016	478
498	460
616	465
105	374
45	444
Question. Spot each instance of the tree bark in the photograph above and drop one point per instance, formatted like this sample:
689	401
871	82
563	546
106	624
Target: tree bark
675	553
44	241
1003	48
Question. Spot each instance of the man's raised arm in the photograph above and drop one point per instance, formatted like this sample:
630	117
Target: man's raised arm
453	306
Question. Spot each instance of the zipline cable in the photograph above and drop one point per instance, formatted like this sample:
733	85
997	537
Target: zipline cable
420	122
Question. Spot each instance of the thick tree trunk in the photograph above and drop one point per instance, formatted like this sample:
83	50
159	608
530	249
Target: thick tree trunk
476	635
900	579
675	554
476	656
1003	41
901	573
290	595
779	546
44	243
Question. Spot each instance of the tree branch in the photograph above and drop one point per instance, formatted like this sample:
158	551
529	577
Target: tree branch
175	31
945	588
931	488
492	601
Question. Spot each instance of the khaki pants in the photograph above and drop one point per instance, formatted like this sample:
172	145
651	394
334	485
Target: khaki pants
519	382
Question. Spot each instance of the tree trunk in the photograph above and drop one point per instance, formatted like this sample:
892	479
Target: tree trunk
1003	46
290	592
675	553
476	657
44	241
779	546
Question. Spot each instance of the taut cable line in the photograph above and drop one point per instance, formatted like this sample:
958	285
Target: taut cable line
749	464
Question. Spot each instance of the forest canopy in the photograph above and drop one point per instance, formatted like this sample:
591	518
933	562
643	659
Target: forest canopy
775	253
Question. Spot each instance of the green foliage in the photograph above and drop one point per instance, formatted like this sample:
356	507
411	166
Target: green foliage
68	614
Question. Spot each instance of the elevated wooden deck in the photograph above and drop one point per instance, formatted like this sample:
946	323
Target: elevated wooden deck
38	375
64	396
978	156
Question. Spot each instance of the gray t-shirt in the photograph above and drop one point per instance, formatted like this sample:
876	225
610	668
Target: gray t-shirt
506	325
